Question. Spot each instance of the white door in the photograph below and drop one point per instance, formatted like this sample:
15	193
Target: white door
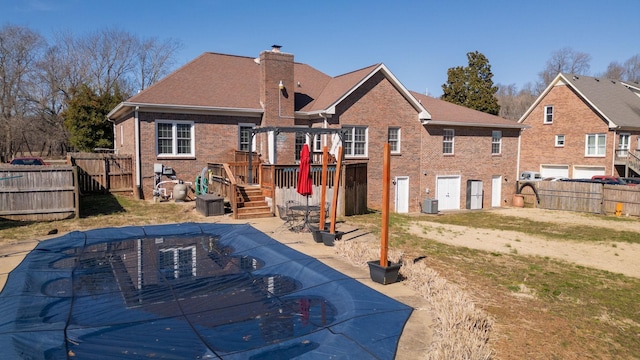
448	190
402	194
496	190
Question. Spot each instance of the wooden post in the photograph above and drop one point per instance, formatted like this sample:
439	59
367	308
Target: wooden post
336	191
323	191
76	191
386	179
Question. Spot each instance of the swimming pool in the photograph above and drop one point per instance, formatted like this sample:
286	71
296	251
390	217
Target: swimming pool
189	291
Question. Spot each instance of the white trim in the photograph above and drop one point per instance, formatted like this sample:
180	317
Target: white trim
564	140
546	115
499	142
586	145
398	139
352	155
174	138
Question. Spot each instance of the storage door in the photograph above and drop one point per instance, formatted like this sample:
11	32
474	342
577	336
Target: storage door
402	194
496	191
448	190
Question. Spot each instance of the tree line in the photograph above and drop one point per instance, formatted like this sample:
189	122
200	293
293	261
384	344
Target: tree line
472	86
53	94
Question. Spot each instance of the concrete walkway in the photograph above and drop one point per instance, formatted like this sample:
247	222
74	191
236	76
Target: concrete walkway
417	335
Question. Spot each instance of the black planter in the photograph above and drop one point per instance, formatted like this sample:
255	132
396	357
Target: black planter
328	238
384	275
315	231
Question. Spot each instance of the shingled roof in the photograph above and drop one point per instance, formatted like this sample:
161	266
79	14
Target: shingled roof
228	83
616	101
446	113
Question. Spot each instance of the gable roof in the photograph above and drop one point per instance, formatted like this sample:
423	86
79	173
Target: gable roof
446	113
616	101
230	84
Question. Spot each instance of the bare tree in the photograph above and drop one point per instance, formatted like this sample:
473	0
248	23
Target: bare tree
155	59
632	69
615	70
565	60
514	103
111	55
20	49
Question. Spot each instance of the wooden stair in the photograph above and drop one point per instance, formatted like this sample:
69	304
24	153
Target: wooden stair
251	203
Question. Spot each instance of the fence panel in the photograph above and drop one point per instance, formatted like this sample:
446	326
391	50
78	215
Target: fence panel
572	196
37	193
103	173
628	196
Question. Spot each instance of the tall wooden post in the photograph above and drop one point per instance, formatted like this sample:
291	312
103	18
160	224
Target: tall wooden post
323	191
336	191
386	179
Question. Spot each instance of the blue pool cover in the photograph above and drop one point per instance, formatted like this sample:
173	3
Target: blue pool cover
189	291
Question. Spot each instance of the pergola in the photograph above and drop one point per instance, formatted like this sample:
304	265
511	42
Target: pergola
289	129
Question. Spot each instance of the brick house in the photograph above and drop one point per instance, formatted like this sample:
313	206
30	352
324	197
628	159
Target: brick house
202	113
582	126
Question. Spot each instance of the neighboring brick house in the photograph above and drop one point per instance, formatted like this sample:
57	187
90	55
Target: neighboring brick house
201	112
581	126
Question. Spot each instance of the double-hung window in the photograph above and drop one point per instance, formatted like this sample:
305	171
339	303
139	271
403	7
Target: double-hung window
447	141
175	138
548	114
559	140
496	142
394	140
355	141
595	145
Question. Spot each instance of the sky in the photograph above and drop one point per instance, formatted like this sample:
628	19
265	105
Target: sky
417	40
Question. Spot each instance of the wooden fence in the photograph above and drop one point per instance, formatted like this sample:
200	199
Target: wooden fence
103	173
33	193
581	196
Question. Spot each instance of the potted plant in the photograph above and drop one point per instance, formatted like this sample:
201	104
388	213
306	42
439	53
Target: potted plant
383	271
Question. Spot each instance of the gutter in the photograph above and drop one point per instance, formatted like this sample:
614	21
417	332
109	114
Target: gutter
122	107
460	123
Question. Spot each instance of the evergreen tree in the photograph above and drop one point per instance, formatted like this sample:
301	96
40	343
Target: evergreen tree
472	86
86	118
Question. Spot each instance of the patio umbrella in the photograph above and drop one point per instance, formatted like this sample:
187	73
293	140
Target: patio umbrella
305	182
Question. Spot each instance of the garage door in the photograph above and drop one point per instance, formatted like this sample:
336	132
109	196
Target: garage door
586	172
448	190
554	170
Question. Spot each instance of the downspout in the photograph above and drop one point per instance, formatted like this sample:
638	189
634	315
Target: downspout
613	158
137	150
518	158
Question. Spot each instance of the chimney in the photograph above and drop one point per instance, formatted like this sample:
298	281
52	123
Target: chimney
277	93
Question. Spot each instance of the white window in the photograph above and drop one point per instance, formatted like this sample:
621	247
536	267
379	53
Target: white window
355	141
496	142
175	138
245	137
559	140
548	114
595	145
447	141
394	140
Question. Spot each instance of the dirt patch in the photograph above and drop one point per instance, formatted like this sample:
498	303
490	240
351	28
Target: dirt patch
617	257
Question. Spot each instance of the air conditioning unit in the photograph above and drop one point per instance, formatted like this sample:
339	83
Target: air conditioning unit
430	206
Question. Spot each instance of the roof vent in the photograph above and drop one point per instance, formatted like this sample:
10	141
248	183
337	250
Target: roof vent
575	77
598	80
276	48
613	82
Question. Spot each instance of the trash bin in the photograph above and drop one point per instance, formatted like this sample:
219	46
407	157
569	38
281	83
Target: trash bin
210	205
